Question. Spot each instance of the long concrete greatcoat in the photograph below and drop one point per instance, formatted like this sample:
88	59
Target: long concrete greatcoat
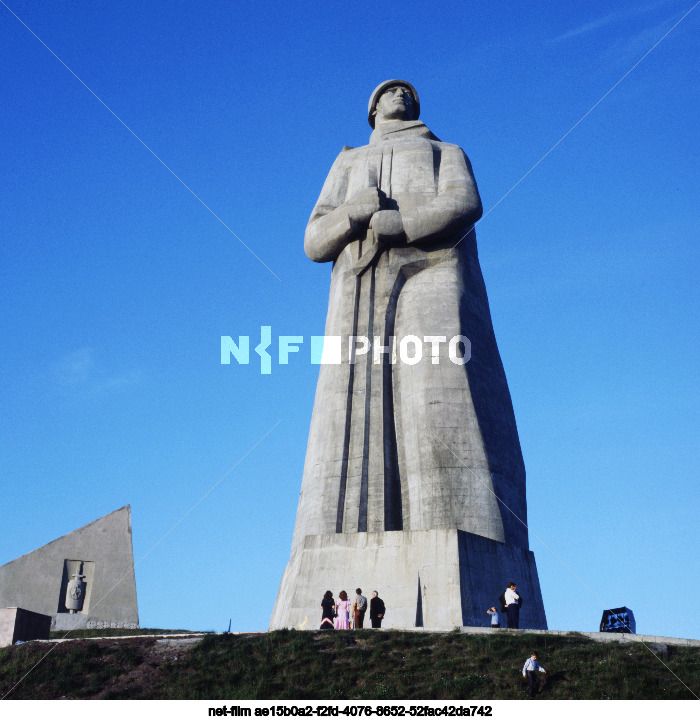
397	446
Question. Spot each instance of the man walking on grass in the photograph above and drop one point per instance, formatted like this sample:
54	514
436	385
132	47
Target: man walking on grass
530	670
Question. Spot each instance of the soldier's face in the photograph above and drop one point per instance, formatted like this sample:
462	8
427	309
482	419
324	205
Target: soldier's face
395	103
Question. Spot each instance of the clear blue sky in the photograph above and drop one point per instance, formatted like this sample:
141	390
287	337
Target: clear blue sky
117	284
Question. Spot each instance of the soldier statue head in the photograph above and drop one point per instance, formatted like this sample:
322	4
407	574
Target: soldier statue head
393	100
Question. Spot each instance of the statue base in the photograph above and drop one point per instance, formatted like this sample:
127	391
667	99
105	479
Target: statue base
437	579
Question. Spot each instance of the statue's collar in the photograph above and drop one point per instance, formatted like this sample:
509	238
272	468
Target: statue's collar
400	129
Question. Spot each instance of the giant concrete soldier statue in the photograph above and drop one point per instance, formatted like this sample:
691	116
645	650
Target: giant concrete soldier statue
413	468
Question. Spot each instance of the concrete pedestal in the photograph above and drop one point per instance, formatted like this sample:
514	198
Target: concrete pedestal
19	624
437	579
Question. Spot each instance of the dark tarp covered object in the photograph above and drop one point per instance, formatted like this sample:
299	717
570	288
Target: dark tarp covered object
618	620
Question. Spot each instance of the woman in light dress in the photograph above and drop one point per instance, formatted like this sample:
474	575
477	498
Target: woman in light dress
342	607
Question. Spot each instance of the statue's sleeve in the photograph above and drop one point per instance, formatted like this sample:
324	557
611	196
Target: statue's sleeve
456	205
329	228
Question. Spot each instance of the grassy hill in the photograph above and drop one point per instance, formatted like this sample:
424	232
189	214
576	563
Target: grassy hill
345	665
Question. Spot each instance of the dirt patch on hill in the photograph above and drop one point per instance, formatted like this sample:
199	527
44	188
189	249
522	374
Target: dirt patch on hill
110	668
149	656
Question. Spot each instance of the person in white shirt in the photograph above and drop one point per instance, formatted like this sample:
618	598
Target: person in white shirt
512	606
530	670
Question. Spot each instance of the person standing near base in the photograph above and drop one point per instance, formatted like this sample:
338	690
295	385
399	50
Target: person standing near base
359	608
328	613
342	619
377	609
512	606
530	670
495	621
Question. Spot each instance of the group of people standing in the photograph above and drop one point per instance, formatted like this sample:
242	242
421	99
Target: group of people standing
342	614
510	601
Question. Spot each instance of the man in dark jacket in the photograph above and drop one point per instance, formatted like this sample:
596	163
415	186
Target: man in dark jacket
377	609
512	601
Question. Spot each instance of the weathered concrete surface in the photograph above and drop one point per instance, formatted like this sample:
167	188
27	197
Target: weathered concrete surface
440	579
398	446
18	624
38	581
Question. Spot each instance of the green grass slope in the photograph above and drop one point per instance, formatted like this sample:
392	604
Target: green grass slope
346	665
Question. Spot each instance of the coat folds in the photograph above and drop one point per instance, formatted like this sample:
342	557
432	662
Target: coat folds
409	446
